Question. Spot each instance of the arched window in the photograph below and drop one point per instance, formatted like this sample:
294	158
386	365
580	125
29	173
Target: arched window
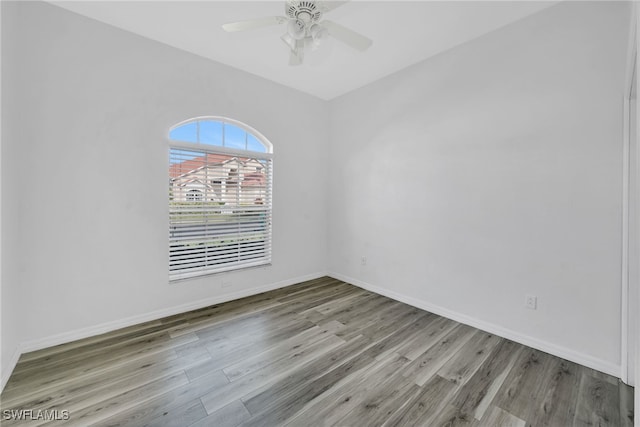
220	173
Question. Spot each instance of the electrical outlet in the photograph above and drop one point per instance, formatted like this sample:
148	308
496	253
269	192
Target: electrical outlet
363	260
531	302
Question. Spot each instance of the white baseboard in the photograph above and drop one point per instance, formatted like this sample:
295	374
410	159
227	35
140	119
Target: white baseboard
158	314
7	370
556	350
563	352
66	337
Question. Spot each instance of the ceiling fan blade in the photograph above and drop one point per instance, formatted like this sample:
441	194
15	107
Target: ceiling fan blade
330	5
297	55
347	36
253	23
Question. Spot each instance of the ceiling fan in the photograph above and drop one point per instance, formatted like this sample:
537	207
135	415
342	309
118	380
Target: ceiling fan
304	27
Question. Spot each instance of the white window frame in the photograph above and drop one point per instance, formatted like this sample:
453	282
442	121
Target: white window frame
266	206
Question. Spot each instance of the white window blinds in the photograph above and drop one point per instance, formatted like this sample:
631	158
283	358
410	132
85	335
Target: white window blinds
219	208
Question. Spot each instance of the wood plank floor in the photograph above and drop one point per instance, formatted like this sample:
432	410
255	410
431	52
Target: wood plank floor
319	353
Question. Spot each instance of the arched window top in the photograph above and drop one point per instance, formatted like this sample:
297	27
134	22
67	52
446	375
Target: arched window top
220	132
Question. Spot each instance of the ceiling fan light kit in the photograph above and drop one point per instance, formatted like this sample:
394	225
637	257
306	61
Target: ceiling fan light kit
305	28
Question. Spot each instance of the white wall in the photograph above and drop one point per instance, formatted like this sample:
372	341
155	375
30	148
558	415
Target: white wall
2	302
636	13
492	171
85	175
633	240
10	308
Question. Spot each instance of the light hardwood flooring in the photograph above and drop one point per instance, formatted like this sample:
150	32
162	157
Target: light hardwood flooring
320	353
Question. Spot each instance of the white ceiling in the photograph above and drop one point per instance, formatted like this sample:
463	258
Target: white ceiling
403	34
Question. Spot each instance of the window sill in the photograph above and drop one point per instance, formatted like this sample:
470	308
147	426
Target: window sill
202	274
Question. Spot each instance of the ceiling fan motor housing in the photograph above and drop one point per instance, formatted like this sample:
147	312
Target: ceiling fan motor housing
305	11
